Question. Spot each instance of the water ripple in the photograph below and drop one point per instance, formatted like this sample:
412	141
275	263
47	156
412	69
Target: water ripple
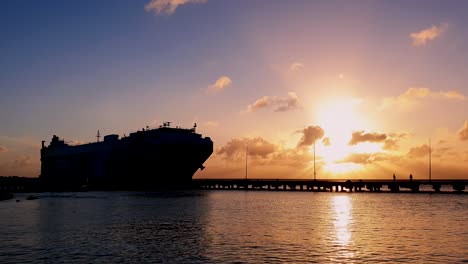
234	227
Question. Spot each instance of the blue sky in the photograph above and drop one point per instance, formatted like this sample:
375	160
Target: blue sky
73	67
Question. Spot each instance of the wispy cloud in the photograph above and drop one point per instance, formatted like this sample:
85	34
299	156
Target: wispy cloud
295	66
391	144
463	132
279	104
393	140
22	161
168	6
220	84
3	149
211	124
360	136
413	96
420	151
364	158
422	37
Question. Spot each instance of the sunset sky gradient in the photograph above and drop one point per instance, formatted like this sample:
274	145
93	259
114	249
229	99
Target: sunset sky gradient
369	81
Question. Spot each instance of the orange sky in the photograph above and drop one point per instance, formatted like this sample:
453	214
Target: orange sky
369	82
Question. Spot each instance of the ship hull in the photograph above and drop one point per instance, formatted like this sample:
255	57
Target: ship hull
155	159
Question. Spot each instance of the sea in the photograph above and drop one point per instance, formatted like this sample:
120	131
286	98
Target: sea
234	226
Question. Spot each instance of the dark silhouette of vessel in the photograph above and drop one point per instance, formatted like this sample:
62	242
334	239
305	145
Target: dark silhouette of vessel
146	159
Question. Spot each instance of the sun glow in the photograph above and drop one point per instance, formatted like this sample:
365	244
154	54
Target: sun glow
342	220
339	118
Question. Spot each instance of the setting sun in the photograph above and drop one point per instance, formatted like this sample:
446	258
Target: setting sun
339	118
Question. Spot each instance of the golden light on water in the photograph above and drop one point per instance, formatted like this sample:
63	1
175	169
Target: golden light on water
342	219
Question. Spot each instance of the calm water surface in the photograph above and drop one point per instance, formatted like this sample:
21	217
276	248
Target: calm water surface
234	227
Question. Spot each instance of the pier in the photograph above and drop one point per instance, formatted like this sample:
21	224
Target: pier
332	185
22	184
17	184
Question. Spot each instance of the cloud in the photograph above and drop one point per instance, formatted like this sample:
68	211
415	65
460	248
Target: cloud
257	147
326	141
463	132
22	161
422	37
420	151
389	141
220	84
264	153
266	160
360	136
168	6
446	155
271	160
440	151
3	149
364	158
279	104
391	144
309	135
295	66
450	95
211	124
22	165
289	103
413	96
263	102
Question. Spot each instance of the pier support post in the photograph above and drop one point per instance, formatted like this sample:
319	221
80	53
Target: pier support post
458	186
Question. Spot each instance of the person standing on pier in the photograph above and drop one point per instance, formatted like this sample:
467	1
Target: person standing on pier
394	177
411	177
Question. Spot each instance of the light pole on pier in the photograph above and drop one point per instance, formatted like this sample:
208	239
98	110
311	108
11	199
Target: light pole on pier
246	155
315	175
430	165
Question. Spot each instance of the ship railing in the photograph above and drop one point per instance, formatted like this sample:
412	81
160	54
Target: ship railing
148	128
79	143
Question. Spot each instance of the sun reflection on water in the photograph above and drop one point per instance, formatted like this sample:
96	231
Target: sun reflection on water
342	220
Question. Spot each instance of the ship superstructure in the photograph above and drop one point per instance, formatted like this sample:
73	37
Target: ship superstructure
149	158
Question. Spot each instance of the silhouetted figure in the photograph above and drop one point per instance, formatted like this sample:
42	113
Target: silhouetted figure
394	177
411	177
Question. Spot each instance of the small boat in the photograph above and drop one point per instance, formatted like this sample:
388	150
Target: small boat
32	197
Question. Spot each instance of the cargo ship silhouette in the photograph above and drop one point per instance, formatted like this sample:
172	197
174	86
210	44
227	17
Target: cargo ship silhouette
146	159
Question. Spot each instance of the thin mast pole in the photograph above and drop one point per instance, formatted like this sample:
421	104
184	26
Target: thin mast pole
315	175
246	155
430	161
